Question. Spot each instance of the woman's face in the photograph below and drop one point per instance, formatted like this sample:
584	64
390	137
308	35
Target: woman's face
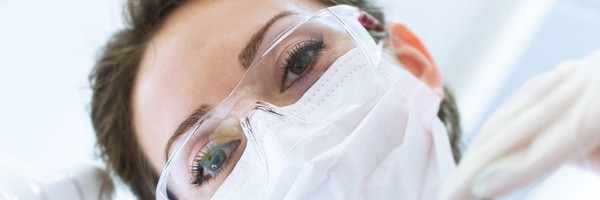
192	64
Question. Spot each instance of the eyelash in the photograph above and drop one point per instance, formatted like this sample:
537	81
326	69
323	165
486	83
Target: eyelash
197	176
315	43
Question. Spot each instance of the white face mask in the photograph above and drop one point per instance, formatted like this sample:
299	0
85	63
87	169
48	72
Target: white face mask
388	145
353	126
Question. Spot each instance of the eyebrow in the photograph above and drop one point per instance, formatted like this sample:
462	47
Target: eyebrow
187	124
249	52
245	58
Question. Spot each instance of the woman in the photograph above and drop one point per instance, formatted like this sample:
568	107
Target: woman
177	59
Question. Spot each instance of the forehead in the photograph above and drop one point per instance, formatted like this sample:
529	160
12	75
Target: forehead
192	60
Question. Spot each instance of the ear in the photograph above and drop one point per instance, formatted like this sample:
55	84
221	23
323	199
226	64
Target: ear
411	52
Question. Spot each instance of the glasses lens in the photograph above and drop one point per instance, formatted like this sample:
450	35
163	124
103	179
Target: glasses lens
296	54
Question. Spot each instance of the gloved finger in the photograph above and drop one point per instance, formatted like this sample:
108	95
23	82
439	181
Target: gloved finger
523	128
545	154
574	135
512	134
589	129
530	93
591	109
591	121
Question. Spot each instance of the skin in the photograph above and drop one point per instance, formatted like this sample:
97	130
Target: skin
192	61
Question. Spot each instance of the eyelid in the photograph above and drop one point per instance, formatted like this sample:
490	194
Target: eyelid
283	52
275	32
306	43
230	148
228	131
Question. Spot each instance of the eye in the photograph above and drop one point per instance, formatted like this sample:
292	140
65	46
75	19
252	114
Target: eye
209	163
300	61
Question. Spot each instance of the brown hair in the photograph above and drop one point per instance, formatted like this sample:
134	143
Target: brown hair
112	81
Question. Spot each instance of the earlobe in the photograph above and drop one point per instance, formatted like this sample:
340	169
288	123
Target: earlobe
410	51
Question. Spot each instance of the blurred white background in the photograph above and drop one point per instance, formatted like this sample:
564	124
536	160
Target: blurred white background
485	49
47	48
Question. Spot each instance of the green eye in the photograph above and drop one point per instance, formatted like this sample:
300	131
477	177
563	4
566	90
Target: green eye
210	162
214	159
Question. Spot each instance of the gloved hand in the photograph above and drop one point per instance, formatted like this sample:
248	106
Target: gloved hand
552	120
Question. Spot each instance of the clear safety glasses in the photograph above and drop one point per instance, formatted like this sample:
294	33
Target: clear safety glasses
284	70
